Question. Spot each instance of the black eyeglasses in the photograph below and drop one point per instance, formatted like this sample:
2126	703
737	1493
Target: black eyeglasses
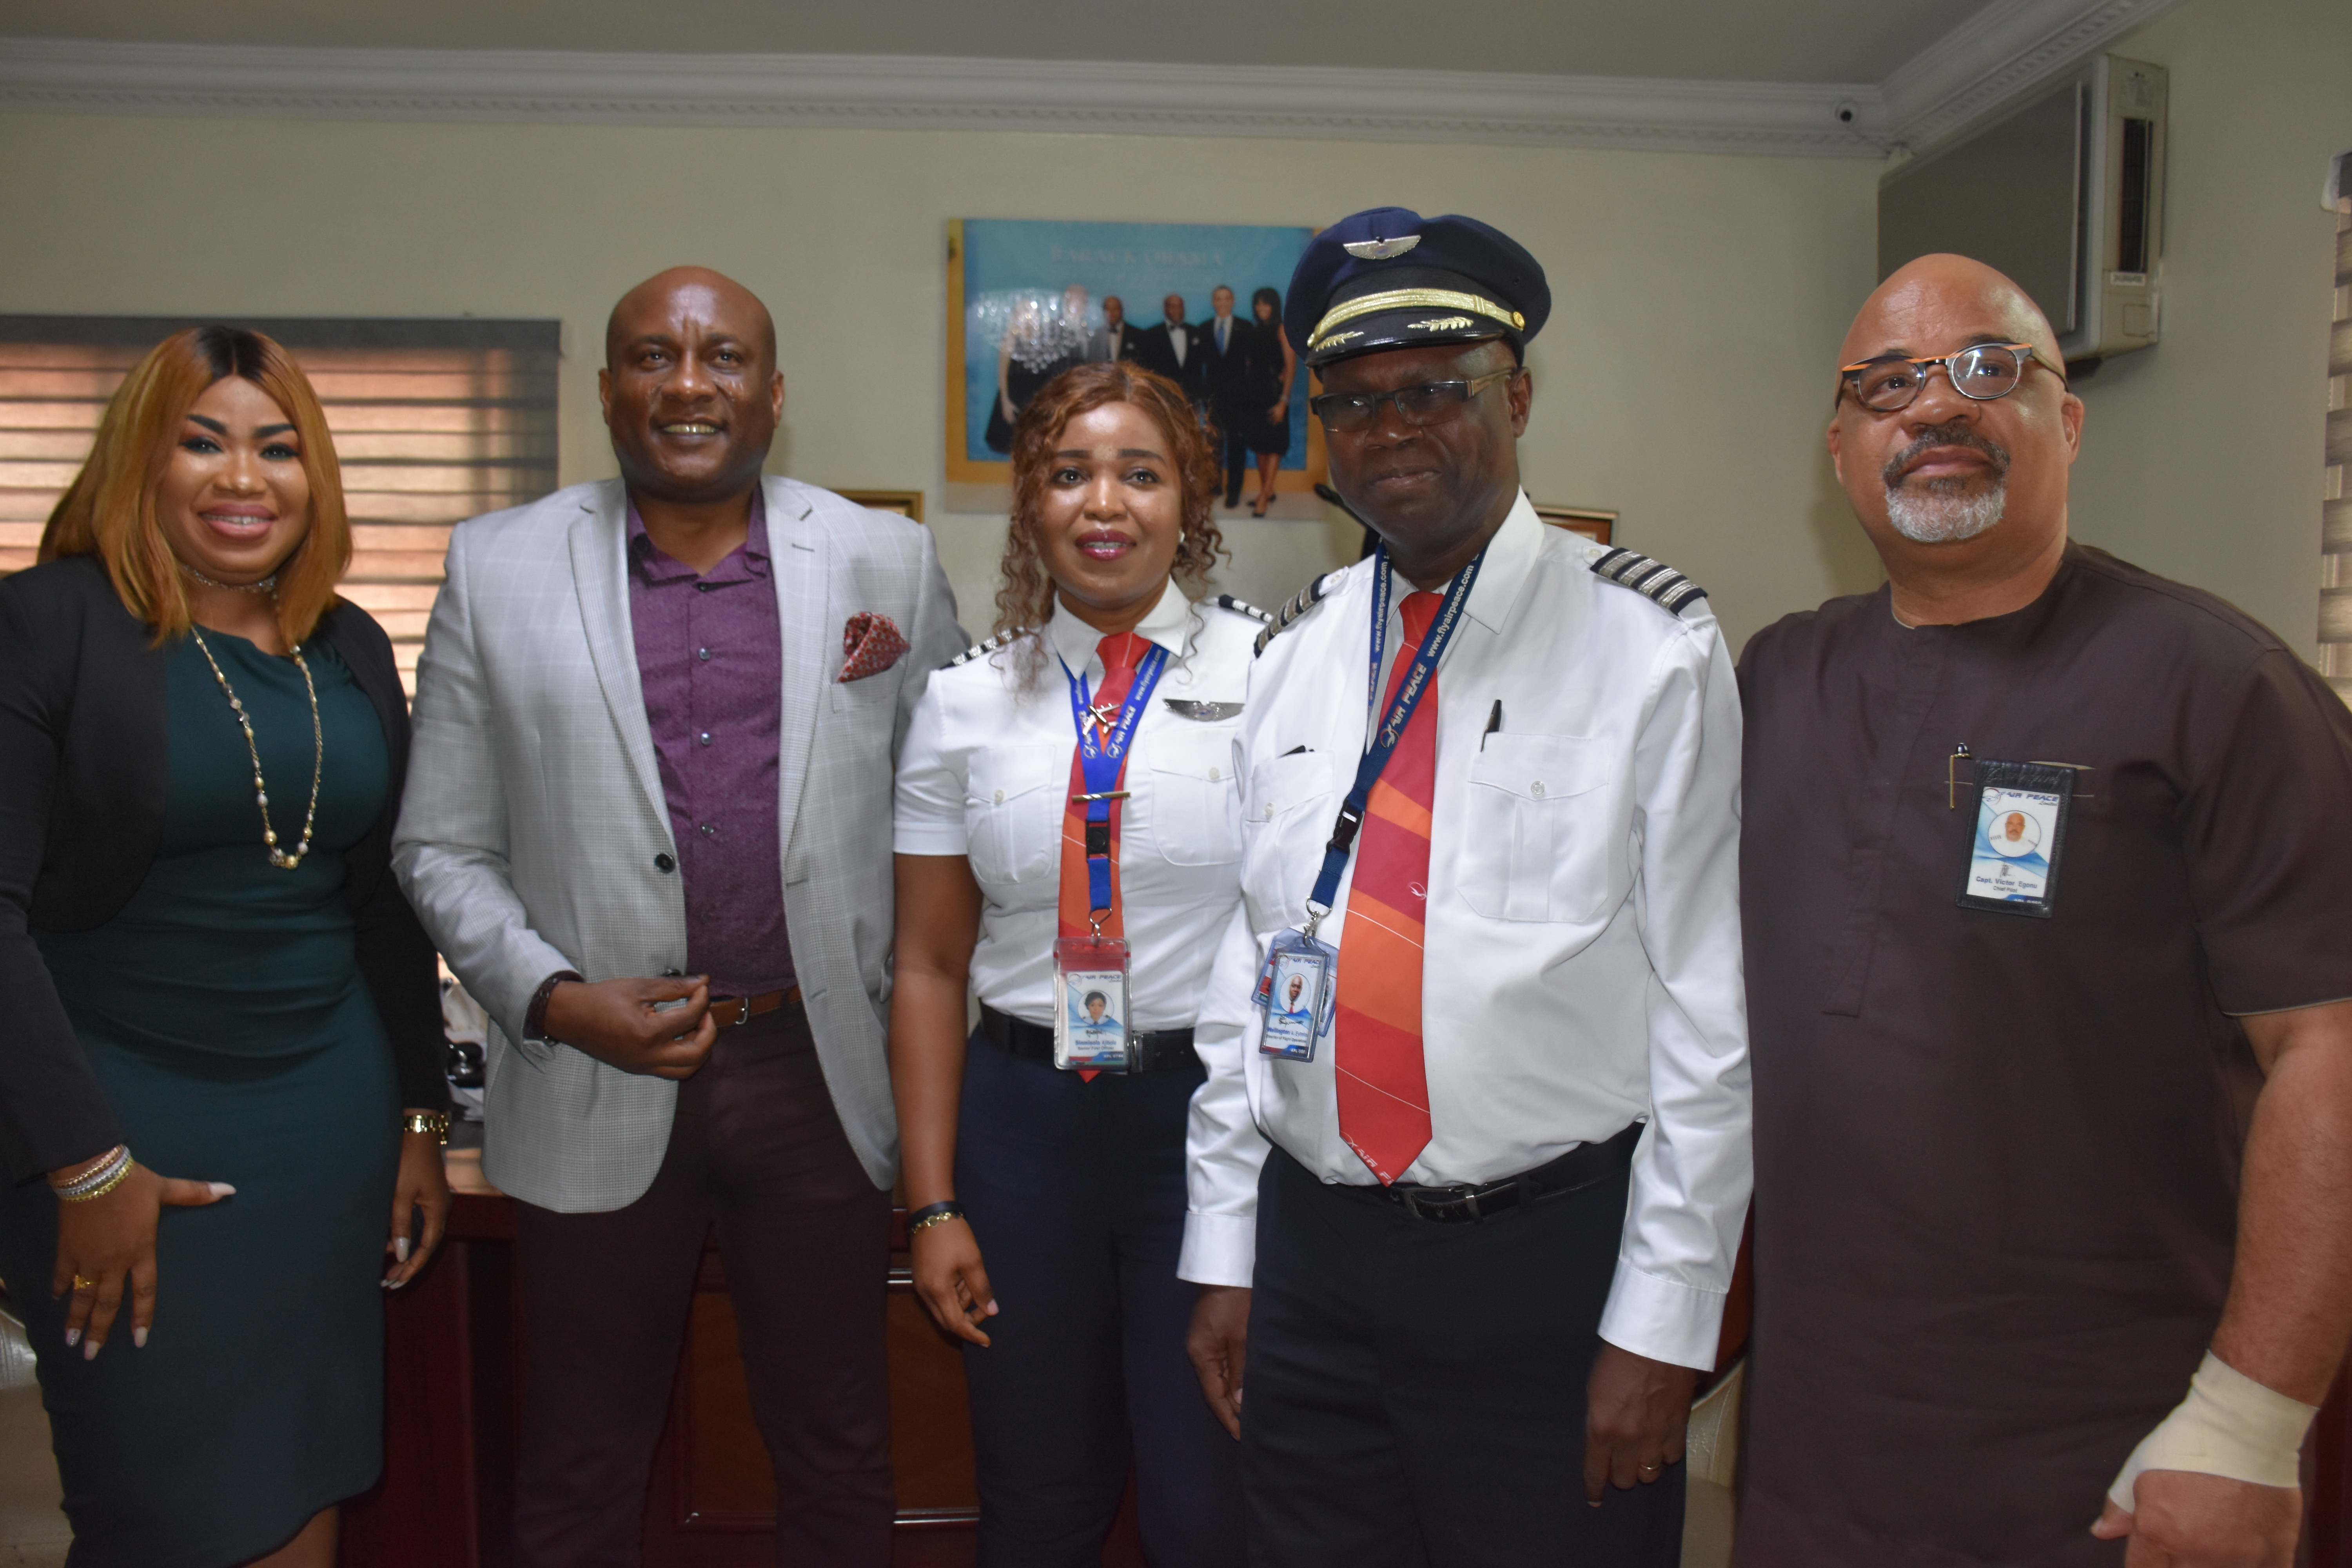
1431	403
1891	382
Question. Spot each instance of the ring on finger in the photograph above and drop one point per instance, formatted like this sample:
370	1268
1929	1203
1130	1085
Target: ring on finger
81	1284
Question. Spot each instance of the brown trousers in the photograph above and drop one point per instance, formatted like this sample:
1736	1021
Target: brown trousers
757	1153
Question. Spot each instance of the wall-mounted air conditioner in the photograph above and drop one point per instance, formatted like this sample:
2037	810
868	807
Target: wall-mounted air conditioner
2065	194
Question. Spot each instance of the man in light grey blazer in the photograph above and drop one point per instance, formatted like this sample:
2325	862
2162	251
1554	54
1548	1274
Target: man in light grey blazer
648	822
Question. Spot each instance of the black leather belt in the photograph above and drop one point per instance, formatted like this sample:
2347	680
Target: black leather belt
1586	1165
1156	1052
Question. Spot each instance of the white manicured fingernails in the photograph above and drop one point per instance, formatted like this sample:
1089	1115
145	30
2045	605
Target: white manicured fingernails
73	1338
139	1339
89	1350
221	1189
400	1248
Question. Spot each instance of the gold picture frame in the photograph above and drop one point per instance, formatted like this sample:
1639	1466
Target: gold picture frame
906	503
1595	525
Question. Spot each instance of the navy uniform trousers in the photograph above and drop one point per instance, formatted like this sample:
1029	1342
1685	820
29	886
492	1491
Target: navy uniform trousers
1076	1193
1414	1394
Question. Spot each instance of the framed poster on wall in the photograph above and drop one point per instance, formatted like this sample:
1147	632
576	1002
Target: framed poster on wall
1027	299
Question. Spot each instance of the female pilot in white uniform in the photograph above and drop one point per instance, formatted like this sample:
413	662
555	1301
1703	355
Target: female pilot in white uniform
1010	845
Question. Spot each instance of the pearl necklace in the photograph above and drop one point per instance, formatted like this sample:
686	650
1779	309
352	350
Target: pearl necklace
278	857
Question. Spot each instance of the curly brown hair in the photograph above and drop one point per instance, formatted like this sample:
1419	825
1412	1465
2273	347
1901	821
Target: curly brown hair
1026	596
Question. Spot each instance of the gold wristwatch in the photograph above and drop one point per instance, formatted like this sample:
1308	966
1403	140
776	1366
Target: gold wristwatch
433	1122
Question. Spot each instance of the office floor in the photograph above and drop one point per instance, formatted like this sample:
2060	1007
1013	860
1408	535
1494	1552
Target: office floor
33	1533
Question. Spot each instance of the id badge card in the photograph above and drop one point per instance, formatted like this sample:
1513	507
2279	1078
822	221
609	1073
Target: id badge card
1296	988
1090	1003
2019	834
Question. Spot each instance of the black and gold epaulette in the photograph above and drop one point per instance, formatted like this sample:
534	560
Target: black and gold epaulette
1629	568
1227	601
987	646
1301	601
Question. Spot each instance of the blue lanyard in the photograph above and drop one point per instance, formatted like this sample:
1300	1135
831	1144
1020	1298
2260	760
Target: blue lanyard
1384	742
1103	762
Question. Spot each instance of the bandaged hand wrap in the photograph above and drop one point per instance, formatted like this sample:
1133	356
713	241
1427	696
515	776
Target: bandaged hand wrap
2229	1425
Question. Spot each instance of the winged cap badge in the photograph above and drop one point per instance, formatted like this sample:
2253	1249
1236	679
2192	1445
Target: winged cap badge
1380	249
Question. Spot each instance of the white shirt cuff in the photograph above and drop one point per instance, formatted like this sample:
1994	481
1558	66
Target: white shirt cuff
1219	1249
930	838
1658	1318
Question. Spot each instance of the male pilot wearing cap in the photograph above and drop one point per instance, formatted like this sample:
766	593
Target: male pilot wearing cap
1470	1249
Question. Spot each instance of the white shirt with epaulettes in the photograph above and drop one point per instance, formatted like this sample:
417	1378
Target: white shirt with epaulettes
985	774
1582	961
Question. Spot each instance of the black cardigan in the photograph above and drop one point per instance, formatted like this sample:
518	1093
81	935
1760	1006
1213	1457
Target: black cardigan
83	774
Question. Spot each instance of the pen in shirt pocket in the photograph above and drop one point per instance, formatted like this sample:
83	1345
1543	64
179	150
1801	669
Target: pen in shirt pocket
1494	722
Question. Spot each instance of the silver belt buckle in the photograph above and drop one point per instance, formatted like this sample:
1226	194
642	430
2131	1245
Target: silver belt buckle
742	1011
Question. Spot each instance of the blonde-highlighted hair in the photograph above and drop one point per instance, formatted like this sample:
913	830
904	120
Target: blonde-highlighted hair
110	511
1026	598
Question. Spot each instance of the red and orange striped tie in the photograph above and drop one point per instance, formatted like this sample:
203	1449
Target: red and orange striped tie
1120	655
1383	1084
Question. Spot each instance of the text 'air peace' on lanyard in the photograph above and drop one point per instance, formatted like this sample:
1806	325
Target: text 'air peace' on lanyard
1102	761
1383	740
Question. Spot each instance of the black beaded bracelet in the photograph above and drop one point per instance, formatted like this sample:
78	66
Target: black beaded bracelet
933	1214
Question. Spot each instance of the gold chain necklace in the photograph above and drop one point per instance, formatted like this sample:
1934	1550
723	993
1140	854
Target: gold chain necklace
278	857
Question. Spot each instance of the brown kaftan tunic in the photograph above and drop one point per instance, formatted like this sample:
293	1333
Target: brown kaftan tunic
1997	1156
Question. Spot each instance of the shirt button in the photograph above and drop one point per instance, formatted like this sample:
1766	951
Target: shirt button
704	737
1215	775
709	831
1000	797
702	587
1536	789
662	863
702	653
1269	811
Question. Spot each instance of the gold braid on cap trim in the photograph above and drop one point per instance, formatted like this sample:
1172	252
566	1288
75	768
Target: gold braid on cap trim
1412	300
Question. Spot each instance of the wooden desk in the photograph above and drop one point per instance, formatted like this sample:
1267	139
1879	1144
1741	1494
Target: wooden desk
454	1348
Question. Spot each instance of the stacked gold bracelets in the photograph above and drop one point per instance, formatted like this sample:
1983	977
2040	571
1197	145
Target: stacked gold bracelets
109	1172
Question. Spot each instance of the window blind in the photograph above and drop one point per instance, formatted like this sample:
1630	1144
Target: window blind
2336	509
433	421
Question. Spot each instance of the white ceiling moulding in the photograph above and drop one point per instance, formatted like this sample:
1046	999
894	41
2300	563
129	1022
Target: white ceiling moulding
1996	56
905	93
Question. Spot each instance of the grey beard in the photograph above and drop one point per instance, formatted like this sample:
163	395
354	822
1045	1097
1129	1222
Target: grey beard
1929	516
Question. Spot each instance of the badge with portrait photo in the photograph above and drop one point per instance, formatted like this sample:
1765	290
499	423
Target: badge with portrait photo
1297	993
2017	832
1090	1005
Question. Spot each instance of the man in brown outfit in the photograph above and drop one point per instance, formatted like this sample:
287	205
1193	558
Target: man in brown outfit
2038	1127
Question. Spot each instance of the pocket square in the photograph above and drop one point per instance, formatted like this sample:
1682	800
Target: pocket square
870	645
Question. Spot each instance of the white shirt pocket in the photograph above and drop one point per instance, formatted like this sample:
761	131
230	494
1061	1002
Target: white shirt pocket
1286	818
1012	812
1536	828
1196	801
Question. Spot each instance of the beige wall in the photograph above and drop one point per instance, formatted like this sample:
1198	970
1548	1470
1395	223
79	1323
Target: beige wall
1681	382
1686	286
2202	457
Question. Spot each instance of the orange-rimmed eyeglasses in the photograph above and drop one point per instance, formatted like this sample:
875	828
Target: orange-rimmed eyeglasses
1980	373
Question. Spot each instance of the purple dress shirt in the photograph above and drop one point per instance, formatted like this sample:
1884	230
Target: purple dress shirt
710	656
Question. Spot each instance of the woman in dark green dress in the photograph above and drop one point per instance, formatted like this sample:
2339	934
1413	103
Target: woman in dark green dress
224	1052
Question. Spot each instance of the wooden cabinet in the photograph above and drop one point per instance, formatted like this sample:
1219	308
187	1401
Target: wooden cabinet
453	1352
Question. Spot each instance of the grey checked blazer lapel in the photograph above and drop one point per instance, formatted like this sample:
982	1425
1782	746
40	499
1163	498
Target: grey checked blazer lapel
799	556
600	574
